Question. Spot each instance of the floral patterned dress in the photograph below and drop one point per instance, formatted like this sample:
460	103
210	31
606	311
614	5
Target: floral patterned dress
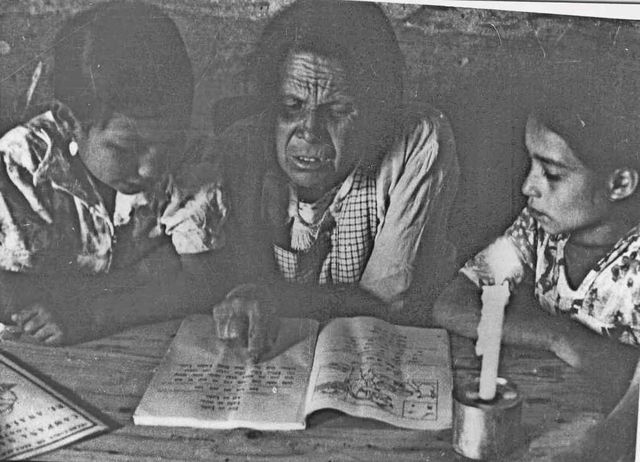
55	219
607	300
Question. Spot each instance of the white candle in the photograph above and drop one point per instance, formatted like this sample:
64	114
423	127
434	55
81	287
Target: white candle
504	264
638	429
494	301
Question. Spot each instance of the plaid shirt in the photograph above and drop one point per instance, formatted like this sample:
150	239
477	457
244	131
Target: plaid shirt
390	223
340	253
54	218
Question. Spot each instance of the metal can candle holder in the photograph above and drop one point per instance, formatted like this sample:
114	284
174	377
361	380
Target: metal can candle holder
487	430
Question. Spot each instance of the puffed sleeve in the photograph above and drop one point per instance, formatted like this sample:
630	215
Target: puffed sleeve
416	185
52	218
510	257
24	214
197	211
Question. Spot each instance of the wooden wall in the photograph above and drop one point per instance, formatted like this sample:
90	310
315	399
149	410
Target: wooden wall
482	68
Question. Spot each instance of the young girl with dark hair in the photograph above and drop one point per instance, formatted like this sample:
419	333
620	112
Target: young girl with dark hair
572	256
93	204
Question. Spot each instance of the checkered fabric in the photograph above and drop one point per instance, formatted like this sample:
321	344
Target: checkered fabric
341	251
303	266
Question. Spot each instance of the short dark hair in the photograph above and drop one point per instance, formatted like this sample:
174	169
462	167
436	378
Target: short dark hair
358	34
122	56
596	110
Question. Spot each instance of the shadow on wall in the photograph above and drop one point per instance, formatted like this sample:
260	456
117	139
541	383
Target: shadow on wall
483	68
486	80
486	70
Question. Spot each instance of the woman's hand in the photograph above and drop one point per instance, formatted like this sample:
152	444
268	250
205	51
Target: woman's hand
247	315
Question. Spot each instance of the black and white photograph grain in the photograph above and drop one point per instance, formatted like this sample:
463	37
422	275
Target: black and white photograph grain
318	230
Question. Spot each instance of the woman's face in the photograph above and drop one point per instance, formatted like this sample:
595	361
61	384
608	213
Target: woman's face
131	154
315	124
563	194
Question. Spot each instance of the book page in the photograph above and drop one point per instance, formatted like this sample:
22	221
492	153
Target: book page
205	382
34	418
369	368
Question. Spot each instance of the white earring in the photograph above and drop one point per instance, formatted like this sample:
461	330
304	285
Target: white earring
73	148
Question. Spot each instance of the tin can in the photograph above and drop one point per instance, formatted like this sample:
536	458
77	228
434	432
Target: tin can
487	430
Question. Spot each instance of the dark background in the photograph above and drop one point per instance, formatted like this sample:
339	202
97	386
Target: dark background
482	68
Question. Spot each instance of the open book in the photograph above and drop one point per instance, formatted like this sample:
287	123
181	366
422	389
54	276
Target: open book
362	366
35	418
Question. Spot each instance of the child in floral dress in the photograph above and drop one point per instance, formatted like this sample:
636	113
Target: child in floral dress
102	214
575	279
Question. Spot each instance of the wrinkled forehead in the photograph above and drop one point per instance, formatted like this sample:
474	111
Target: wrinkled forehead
311	73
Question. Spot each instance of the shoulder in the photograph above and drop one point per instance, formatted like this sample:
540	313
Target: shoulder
625	256
524	225
422	145
421	134
423	119
25	144
39	183
525	232
47	133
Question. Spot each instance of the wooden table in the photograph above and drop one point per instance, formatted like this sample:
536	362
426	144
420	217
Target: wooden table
112	374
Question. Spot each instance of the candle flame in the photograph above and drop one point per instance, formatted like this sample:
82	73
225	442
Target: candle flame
504	261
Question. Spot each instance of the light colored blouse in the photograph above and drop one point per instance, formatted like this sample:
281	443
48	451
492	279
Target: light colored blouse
386	218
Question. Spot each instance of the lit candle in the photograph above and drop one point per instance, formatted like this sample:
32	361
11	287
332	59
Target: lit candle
505	265
638	425
494	301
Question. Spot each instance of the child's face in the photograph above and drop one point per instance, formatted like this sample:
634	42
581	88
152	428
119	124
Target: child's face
131	154
564	195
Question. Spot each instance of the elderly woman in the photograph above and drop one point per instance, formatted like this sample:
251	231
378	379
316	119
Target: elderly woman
338	195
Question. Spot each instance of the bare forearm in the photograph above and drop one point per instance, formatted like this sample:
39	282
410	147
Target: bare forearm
620	425
326	302
570	340
112	303
118	310
459	307
18	290
611	439
526	324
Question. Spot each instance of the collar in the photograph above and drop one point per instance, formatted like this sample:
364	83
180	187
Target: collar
310	219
